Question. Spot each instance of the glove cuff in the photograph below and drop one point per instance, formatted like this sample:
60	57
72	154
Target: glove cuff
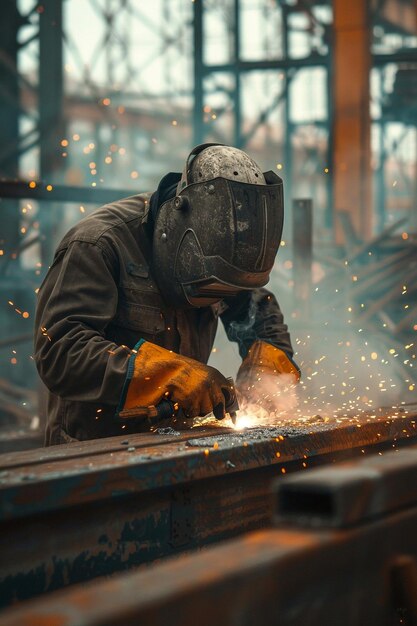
143	380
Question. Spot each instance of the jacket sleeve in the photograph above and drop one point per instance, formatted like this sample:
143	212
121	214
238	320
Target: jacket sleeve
255	315
76	302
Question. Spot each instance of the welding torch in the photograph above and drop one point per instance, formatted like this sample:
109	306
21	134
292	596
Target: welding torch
166	409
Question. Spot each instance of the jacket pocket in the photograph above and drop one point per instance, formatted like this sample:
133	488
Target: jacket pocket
139	317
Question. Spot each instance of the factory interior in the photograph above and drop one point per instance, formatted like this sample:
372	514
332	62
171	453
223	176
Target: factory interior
299	510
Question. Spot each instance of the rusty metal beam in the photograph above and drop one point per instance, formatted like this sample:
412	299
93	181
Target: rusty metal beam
396	15
116	466
350	493
351	116
74	512
20	189
363	574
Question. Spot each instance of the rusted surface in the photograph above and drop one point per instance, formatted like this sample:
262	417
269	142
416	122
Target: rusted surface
350	493
278	576
137	467
96	447
18	440
71	516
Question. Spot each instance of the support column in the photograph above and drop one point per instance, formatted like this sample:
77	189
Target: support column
351	117
50	114
288	128
198	130
237	140
50	87
328	211
302	217
9	120
413	216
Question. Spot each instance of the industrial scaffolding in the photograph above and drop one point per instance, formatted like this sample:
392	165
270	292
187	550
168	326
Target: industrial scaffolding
101	98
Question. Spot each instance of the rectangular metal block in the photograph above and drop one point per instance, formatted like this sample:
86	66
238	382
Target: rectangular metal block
350	493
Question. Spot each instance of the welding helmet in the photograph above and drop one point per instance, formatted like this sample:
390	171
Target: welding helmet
221	231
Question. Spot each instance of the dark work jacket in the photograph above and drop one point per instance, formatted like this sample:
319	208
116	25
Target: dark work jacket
99	298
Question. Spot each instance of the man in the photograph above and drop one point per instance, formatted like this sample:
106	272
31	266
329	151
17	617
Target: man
128	311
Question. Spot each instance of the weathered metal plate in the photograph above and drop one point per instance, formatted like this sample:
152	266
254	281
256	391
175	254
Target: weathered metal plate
71	517
278	576
145	463
107	445
18	440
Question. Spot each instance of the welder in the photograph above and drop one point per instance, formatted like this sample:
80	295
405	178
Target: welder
128	311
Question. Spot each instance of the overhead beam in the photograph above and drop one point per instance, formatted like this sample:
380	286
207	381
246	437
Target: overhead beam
312	60
38	190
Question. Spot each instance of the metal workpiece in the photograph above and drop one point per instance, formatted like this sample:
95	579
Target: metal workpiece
74	512
350	493
285	576
89	471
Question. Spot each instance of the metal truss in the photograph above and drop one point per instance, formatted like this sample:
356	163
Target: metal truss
132	78
395	112
183	72
265	74
111	94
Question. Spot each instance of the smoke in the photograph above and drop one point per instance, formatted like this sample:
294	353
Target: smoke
244	330
267	400
348	367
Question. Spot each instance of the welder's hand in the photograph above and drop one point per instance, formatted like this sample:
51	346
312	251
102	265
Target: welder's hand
266	380
191	386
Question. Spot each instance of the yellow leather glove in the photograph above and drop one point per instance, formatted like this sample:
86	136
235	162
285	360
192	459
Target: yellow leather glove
156	374
264	358
265	378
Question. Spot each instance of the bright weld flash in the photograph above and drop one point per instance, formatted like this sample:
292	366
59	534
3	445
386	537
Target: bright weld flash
244	421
